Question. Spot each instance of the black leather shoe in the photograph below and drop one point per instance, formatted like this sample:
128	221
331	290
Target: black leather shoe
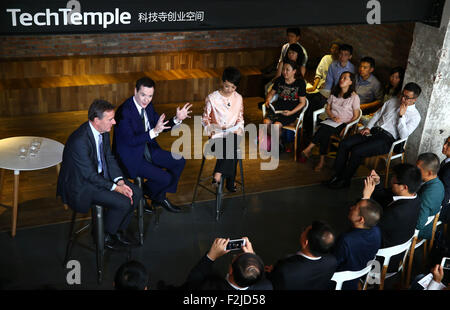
231	188
330	181
166	204
148	209
123	239
111	242
339	184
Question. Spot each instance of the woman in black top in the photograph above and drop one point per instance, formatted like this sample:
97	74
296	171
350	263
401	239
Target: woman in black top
291	93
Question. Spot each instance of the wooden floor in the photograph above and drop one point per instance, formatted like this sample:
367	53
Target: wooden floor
39	206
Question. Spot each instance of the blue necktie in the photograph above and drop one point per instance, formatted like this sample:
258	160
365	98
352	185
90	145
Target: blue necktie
147	154
102	157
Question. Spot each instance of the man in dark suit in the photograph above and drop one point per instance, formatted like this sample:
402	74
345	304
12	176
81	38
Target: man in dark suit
90	175
444	176
135	143
246	272
401	204
312	267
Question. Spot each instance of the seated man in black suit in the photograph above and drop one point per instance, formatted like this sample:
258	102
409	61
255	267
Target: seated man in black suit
90	175
312	267
444	176
400	203
246	272
401	206
356	247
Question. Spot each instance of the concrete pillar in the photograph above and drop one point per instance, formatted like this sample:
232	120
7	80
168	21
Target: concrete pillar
429	67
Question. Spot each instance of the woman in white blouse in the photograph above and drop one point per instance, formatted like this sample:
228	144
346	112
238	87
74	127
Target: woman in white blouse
223	119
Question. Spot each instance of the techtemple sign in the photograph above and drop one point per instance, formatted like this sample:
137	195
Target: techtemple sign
99	16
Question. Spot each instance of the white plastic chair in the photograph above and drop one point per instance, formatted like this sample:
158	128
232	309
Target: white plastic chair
298	125
391	156
387	253
427	246
342	276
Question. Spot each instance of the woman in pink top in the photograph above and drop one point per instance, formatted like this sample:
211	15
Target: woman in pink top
342	108
223	119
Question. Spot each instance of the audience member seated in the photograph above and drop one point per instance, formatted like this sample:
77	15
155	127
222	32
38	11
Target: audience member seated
396	119
316	100
342	108
223	119
435	283
355	248
293	36
431	193
91	175
138	126
401	206
312	267
444	176
368	87
294	53
291	91
394	86
338	66
246	271
131	275
322	68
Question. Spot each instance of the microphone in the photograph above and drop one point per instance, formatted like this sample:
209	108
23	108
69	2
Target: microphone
229	104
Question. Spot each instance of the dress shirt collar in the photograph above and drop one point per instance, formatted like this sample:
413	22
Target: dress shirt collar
361	81
338	64
447	160
234	286
138	107
308	257
395	198
94	132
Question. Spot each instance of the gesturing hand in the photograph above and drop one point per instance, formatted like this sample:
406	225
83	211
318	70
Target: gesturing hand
183	113
160	124
369	187
375	177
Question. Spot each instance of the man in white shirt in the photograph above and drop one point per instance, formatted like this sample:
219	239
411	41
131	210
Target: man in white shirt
396	119
293	35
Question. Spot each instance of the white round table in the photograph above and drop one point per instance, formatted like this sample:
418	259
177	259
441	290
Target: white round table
49	155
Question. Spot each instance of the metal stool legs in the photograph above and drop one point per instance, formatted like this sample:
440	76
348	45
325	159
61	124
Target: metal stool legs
100	240
140	213
219	190
99	236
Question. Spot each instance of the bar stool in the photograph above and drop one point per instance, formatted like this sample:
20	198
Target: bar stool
219	190
99	237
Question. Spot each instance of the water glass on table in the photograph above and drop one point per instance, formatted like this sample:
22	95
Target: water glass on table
23	151
35	146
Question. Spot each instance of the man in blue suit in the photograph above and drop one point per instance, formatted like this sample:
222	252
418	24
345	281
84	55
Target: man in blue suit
135	134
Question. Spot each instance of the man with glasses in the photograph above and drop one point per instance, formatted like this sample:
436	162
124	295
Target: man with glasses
396	119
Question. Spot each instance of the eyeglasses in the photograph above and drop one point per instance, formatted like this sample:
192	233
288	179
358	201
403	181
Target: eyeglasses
408	98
